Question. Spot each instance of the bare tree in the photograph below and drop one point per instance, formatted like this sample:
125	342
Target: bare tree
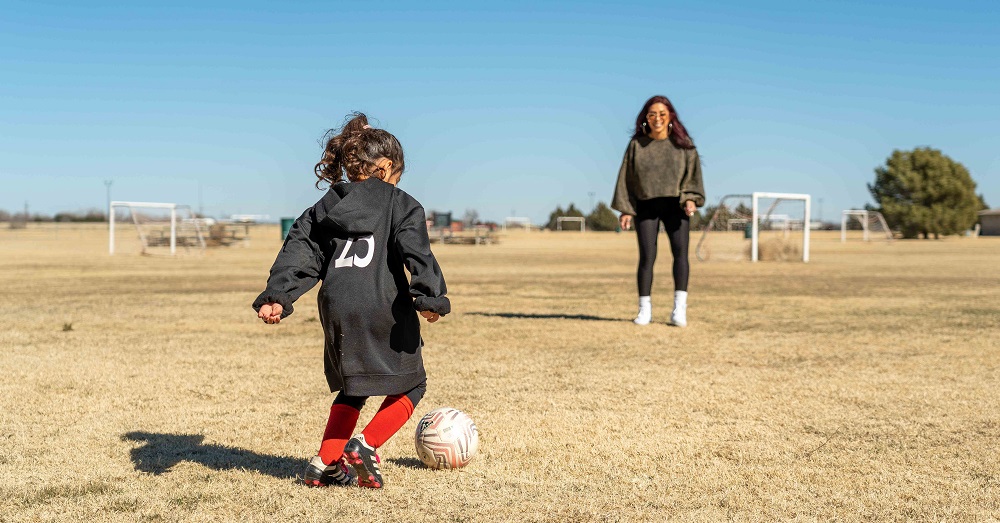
471	217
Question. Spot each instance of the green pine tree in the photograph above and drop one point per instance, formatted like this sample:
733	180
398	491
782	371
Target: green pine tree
923	192
602	218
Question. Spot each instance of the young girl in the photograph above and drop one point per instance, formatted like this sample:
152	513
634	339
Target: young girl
357	240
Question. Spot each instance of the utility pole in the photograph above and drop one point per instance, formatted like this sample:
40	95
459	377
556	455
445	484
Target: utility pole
821	210
591	193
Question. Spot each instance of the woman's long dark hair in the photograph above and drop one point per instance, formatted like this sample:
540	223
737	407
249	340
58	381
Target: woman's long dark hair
353	150
678	134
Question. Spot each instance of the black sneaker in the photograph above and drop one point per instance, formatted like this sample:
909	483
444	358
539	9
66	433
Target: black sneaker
360	455
319	474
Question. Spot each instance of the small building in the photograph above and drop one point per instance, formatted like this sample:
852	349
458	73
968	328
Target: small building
989	221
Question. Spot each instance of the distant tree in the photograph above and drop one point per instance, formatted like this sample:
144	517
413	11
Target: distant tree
602	218
924	192
4	216
92	215
471	217
552	217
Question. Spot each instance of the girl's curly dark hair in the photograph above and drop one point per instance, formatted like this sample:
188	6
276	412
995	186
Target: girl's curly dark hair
353	150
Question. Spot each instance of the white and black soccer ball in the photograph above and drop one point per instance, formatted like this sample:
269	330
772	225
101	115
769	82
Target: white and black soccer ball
446	438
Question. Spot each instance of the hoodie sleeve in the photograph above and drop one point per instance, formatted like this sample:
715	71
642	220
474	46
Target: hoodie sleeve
623	200
298	267
692	187
427	285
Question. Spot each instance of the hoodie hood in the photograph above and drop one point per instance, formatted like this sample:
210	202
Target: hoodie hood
355	208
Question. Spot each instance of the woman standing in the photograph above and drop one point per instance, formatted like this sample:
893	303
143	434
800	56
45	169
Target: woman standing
660	181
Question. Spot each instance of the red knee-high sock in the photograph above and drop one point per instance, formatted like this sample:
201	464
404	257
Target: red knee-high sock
391	417
343	420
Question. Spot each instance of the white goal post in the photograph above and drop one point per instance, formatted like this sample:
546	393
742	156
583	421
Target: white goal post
134	210
755	223
580	219
517	220
870	220
783	217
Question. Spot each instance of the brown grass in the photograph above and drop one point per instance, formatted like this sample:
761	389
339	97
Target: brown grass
859	387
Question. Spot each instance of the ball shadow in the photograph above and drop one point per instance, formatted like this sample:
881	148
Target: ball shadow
410	463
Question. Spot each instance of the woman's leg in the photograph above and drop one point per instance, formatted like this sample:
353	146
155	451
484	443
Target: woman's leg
678	228
647	226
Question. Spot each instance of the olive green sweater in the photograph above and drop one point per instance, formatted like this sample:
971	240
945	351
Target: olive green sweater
657	168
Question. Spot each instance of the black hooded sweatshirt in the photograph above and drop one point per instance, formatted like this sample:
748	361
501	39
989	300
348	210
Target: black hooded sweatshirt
357	240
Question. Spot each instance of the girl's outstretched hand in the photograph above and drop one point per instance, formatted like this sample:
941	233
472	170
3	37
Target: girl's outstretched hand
270	312
431	316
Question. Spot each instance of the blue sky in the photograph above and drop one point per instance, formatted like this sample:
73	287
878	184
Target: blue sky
506	108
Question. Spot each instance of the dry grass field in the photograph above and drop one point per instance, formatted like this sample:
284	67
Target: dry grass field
862	386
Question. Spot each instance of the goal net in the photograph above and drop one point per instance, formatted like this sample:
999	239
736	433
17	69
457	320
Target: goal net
870	225
160	228
757	226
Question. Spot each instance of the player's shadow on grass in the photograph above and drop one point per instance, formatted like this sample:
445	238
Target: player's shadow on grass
530	316
160	452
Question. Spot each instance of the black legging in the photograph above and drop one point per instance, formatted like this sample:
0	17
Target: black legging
649	214
415	394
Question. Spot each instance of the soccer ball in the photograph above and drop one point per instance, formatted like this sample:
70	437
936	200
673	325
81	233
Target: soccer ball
446	439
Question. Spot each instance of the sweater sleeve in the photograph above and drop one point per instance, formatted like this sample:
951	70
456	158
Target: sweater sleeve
298	267
692	187
427	286
623	200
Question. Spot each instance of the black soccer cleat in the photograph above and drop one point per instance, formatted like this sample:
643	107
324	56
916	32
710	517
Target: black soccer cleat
319	474
362	456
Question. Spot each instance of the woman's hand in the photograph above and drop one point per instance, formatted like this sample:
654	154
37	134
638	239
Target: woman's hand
625	221
270	312
431	316
690	208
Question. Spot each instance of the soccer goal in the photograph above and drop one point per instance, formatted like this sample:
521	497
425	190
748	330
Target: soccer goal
161	227
577	219
870	222
757	226
517	221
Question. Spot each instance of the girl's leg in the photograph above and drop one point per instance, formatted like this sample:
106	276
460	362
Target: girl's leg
392	415
343	420
360	450
326	468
